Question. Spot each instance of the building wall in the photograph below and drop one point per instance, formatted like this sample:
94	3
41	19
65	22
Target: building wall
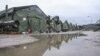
65	26
35	17
56	27
37	22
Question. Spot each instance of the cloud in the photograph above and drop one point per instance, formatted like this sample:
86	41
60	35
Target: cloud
63	8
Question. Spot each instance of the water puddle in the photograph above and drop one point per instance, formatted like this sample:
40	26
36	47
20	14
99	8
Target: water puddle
53	45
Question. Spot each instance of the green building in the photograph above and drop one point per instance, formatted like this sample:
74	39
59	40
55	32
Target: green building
65	26
56	24
29	17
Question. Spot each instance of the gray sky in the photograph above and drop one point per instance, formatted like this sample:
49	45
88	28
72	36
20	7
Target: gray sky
75	11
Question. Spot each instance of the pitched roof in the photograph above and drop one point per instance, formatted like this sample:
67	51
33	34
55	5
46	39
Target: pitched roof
11	10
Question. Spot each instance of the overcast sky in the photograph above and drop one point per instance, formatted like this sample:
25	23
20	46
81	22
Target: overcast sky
75	11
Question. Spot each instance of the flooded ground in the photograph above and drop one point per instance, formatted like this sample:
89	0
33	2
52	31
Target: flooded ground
11	40
86	44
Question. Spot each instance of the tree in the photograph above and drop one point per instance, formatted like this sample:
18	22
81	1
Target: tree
57	20
56	23
98	24
67	23
70	26
48	21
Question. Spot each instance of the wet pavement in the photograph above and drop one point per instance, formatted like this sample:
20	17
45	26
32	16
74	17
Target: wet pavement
77	44
11	40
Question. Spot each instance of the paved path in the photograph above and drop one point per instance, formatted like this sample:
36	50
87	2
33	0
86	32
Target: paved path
10	40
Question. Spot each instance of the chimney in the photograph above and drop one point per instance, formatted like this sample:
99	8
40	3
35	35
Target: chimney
6	8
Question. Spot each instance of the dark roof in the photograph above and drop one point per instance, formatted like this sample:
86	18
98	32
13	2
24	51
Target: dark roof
11	10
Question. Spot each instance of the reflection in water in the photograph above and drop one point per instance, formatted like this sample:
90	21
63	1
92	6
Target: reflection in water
56	40
38	48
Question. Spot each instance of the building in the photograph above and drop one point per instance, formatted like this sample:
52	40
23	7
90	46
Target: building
56	24
31	18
